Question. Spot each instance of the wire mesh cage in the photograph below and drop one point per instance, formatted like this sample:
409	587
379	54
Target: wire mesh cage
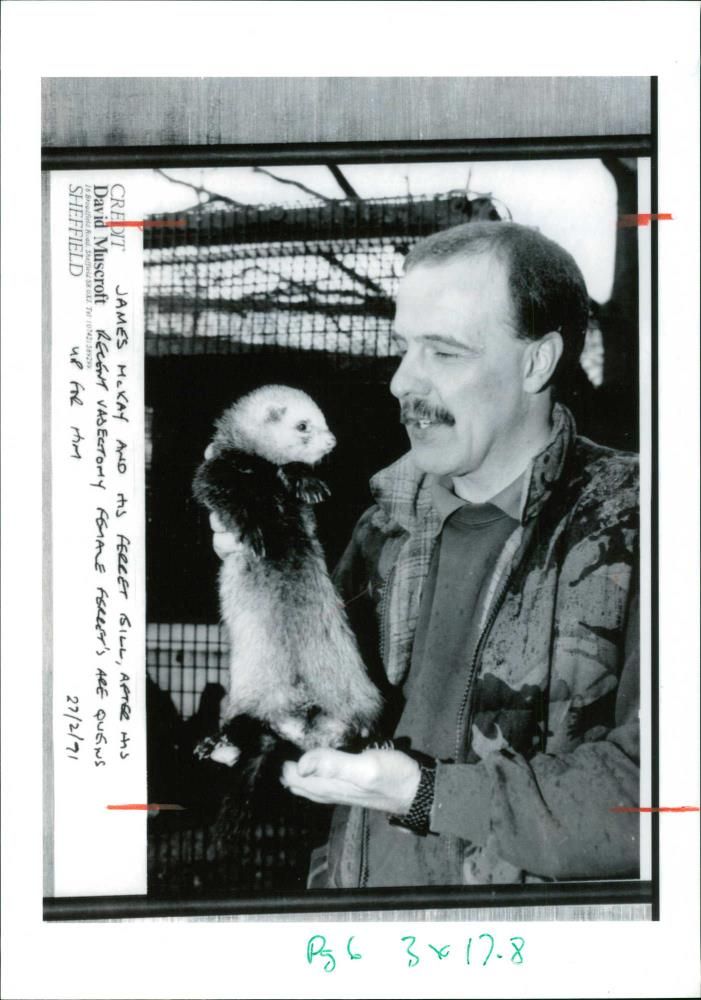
319	278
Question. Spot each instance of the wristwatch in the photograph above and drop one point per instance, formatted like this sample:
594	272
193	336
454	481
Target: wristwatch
418	818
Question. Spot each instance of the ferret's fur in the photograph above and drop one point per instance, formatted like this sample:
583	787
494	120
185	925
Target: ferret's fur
294	663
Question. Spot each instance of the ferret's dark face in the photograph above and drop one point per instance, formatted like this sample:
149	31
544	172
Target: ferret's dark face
297	432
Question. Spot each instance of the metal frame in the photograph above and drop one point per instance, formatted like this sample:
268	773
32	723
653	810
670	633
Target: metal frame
318	901
115	157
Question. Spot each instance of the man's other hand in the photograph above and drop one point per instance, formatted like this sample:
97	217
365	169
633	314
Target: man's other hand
224	542
376	779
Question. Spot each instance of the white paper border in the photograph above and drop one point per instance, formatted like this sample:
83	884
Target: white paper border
186	959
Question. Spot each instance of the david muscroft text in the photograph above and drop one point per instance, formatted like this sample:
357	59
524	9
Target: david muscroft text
92	207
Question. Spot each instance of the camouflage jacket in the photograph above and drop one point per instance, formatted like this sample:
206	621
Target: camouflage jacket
546	739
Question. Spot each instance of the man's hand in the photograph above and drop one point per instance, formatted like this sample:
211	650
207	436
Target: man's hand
224	541
376	779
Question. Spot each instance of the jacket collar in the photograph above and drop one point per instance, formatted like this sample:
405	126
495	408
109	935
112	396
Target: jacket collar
404	493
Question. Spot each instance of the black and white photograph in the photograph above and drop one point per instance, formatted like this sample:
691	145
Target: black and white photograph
354	529
391	486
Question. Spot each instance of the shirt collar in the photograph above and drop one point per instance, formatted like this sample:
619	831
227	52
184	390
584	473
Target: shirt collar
446	501
405	495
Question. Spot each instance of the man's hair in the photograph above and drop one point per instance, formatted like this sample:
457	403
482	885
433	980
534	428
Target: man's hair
547	288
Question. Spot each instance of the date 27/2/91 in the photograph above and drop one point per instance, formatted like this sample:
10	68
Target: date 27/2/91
479	950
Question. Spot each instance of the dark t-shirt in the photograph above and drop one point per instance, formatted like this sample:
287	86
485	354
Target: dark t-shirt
469	545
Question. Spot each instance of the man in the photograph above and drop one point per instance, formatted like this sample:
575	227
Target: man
498	566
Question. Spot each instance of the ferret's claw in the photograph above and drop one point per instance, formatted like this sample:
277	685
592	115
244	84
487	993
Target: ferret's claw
284	478
204	748
312	490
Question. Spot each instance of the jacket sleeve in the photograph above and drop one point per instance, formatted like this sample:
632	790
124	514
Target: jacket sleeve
351	577
554	815
357	581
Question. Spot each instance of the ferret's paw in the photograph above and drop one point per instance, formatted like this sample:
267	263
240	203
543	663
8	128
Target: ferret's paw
204	748
312	490
219	749
225	753
304	487
381	745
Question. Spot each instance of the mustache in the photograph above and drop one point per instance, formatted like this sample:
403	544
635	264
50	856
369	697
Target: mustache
414	410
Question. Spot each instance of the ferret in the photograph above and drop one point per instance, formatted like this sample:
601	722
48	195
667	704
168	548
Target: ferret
294	662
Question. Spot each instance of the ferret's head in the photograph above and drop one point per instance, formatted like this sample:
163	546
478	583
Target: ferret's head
280	424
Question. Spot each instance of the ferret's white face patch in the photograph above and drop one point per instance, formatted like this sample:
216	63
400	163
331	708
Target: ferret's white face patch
281	424
309	437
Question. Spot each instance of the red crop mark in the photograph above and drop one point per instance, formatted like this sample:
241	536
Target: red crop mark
148	806
655	809
644	219
144	223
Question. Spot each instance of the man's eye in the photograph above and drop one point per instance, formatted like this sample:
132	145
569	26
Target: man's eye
302	426
445	354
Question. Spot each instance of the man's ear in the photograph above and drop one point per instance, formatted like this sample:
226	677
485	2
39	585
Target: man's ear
540	361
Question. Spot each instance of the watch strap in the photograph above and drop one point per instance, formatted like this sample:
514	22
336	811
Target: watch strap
418	819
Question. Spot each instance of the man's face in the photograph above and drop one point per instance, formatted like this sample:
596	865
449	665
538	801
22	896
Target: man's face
460	381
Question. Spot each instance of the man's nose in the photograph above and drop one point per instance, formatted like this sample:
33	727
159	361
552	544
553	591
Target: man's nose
409	378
